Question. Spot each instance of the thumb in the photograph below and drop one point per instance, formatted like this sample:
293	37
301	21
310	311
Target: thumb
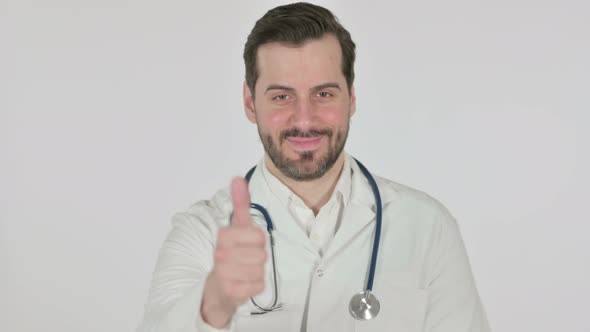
241	202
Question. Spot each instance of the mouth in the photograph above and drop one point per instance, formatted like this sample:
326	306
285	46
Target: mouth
302	144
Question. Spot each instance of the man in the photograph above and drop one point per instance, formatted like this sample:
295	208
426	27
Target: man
299	92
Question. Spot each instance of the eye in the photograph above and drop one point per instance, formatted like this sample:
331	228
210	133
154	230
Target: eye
324	94
282	97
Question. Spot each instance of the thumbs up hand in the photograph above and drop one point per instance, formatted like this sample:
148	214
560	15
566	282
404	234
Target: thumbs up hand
239	259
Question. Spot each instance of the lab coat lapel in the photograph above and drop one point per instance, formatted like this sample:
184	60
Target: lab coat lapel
355	218
358	213
285	227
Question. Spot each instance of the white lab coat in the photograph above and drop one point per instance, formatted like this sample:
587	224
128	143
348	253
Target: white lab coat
423	278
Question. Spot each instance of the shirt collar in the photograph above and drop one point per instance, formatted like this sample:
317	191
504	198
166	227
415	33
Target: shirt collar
286	196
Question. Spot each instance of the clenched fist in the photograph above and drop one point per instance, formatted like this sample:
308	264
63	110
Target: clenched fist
239	260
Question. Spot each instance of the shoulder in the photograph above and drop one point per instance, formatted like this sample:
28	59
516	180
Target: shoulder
210	213
415	203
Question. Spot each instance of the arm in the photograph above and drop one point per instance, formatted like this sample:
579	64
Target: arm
184	262
199	283
454	303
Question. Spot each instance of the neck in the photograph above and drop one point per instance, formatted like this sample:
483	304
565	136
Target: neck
314	193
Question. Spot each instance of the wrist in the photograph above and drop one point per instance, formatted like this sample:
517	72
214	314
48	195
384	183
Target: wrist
215	311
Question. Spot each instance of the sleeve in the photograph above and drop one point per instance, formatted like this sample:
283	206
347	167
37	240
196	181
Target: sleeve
454	303
175	295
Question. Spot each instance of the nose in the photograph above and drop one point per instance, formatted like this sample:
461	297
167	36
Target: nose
303	115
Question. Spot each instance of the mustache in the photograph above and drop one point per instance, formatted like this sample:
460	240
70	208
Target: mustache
294	132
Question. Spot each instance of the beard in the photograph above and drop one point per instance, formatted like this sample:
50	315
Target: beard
311	165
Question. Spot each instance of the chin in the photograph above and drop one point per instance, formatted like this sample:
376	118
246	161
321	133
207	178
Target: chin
307	157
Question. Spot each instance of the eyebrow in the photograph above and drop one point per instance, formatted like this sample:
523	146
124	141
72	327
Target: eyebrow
314	89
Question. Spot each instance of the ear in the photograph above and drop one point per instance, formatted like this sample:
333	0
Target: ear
249	103
352	100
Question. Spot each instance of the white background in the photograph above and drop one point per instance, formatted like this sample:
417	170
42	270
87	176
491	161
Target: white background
116	114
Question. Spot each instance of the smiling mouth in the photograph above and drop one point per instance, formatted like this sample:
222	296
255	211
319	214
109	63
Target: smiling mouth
304	143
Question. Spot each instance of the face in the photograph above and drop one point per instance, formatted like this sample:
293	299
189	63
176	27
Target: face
302	106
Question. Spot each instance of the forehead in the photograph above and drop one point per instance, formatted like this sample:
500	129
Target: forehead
315	61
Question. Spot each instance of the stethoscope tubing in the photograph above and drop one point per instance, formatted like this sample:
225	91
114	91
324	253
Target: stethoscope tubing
374	251
378	217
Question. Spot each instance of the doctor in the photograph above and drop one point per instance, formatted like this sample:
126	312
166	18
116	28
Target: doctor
216	260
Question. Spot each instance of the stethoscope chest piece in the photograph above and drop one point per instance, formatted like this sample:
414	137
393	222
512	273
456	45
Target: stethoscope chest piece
364	306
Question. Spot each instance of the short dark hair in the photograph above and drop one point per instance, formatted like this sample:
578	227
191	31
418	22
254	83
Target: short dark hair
295	24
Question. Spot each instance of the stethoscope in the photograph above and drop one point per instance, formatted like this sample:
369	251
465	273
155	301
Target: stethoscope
363	305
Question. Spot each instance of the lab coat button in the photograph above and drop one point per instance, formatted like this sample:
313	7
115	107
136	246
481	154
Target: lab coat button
319	273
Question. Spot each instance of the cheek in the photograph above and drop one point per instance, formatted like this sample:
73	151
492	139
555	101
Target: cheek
334	116
273	121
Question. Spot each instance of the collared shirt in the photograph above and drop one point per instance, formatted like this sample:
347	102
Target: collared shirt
319	228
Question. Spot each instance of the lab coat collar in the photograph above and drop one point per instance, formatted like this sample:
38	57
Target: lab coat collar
361	191
362	208
285	227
